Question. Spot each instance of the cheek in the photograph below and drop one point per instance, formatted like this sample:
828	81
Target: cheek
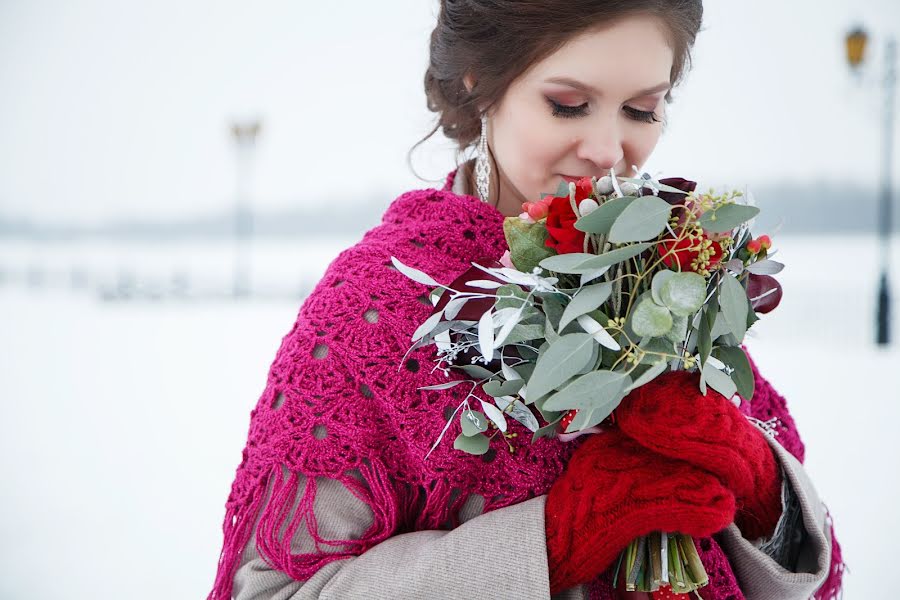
640	143
527	148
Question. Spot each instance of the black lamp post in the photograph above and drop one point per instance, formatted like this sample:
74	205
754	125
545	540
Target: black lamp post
856	41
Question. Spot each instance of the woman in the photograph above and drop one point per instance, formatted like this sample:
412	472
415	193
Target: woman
334	497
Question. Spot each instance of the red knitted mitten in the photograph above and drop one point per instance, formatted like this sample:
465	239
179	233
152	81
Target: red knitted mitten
670	416
614	490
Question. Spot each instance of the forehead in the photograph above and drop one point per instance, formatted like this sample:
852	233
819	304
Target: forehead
633	53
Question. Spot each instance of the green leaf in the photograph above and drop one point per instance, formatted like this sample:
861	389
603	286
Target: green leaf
735	304
642	220
727	217
414	274
656	285
546	430
563	359
683	293
662	187
704	340
527	243
594	390
502	388
719	381
658	346
651	319
585	301
562	190
519	412
426	327
679	329
734	357
524	333
476	371
476	444
601	220
473	422
607	259
566	263
647	376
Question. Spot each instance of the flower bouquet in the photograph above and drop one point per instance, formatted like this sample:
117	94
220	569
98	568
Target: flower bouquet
606	285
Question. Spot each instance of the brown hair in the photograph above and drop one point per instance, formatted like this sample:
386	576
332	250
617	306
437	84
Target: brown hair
498	40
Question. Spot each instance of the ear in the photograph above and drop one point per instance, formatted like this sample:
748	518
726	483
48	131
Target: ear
468	81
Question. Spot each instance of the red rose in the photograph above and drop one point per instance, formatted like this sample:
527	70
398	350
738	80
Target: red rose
563	236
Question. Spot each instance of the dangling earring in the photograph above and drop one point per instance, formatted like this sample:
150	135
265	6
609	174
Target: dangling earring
483	164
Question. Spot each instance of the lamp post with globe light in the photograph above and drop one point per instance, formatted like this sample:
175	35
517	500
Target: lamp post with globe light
856	41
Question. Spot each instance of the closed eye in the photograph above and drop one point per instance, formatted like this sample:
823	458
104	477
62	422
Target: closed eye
566	111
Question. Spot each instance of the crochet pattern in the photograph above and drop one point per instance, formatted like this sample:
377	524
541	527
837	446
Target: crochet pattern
340	396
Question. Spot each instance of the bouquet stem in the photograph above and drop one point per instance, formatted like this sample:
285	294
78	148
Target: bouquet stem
655	560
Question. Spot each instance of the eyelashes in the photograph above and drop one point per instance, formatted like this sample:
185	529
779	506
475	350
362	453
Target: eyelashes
569	112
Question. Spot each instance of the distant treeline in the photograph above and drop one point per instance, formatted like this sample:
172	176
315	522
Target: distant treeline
796	208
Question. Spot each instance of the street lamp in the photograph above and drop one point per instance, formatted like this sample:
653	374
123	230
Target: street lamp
856	42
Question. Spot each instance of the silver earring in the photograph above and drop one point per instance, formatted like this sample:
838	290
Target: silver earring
483	164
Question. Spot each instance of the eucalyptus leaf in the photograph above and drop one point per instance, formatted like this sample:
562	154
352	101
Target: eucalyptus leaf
476	444
414	274
610	258
656	285
524	333
563	359
735	304
742	375
426	327
518	411
473	422
592	390
643	219
486	336
476	371
495	415
727	217
601	220
547	431
647	376
484	284
443	386
592	327
719	381
502	388
651	319
765	267
683	293
566	263
584	301
679	329
704	339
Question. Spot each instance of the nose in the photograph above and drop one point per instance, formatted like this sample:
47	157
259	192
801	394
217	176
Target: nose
601	145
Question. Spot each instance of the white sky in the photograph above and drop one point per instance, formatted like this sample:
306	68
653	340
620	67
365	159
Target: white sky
112	108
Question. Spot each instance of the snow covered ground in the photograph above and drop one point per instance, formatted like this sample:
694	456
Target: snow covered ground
123	421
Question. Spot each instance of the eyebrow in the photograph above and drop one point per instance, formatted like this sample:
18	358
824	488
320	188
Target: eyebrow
586	88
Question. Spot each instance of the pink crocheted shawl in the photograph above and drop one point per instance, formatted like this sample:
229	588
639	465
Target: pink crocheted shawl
339	396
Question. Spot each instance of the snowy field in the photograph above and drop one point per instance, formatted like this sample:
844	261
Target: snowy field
123	420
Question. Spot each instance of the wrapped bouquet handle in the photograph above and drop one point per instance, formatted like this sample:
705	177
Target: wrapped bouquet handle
615	491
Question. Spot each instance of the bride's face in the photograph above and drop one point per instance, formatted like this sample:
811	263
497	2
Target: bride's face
598	102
